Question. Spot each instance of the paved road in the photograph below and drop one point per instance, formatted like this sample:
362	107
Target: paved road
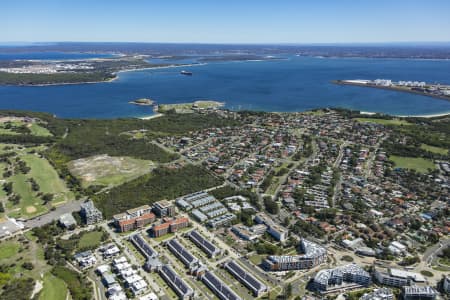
119	240
432	251
69	207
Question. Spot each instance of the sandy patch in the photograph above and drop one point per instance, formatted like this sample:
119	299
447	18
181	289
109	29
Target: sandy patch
31	209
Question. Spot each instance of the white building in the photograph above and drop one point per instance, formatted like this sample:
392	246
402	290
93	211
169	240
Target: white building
379	294
419	293
278	232
397	278
344	277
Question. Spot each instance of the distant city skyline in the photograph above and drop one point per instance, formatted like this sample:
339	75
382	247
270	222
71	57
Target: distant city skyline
250	22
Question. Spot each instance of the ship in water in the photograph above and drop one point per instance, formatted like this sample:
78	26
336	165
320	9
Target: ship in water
186	73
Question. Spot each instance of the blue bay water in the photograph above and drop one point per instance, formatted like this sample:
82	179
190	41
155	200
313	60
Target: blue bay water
293	84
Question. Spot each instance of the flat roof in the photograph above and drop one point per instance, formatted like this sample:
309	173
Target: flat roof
405	274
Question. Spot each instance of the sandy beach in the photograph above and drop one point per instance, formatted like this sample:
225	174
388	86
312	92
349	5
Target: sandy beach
151	117
369	113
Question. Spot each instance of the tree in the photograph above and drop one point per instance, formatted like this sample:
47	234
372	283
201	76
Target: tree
8	187
288	291
271	206
47	198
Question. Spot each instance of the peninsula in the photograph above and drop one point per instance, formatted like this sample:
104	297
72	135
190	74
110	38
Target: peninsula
58	72
415	87
189	107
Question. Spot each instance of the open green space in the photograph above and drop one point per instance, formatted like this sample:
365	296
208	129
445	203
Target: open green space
434	149
164	237
396	122
39	130
187	107
79	288
108	170
48	180
257	258
53	289
8	249
22	257
90	239
421	165
426	273
20	127
444	261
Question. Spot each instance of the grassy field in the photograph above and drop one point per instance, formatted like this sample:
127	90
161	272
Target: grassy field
90	239
164	237
108	170
34	129
53	289
434	149
8	249
257	258
188	106
48	180
39	130
414	163
15	252
395	122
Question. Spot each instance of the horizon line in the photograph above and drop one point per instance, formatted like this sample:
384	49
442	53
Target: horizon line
409	43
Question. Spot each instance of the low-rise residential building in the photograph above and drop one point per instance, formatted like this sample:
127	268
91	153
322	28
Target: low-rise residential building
379	294
85	259
134	218
222	220
67	220
246	278
207	247
418	293
249	233
278	232
169	226
341	278
314	255
396	277
109	250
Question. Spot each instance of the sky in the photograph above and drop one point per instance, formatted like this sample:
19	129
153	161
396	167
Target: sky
225	21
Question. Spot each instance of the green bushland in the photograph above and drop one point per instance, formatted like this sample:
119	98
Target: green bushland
163	183
79	288
91	137
56	78
18	289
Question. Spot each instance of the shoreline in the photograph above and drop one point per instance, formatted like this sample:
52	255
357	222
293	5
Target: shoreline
428	116
391	88
151	117
116	76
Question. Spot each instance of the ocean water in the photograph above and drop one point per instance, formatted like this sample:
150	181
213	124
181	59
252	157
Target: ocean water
291	84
